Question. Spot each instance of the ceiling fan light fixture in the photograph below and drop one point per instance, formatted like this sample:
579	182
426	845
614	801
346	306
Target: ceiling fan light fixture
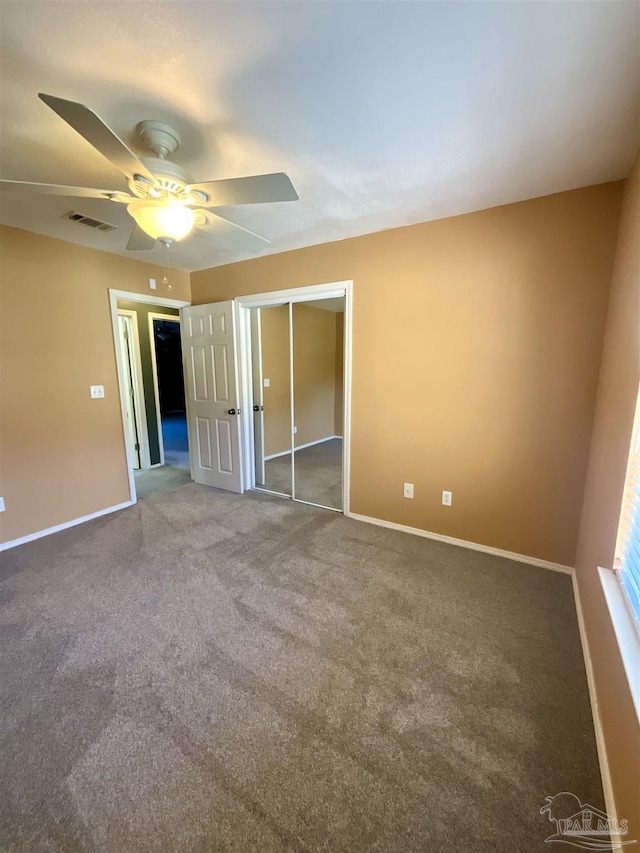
162	219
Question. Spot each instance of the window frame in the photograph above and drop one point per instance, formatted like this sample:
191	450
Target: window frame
624	616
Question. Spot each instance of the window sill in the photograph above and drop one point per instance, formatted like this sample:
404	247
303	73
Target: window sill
625	631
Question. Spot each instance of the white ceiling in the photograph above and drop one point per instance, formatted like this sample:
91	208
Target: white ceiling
382	113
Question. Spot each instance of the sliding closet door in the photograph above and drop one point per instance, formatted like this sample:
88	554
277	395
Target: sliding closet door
271	370
297	398
318	366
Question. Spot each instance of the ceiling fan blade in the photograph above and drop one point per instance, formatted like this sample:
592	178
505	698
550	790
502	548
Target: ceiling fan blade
139	241
215	224
89	125
253	190
57	189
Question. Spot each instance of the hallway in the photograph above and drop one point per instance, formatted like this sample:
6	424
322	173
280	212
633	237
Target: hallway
175	470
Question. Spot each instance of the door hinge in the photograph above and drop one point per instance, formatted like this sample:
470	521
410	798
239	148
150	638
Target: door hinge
136	447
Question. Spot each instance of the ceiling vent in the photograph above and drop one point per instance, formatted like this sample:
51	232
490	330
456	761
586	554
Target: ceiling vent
89	221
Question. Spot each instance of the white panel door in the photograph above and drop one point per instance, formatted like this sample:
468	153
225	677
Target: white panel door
211	391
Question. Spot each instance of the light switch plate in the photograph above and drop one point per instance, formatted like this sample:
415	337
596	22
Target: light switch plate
447	498
267	383
97	391
408	490
152	283
1	504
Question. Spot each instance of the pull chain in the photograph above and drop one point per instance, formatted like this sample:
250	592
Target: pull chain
165	278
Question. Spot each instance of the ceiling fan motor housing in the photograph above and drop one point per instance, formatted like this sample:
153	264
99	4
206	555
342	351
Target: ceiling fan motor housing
170	178
158	137
162	140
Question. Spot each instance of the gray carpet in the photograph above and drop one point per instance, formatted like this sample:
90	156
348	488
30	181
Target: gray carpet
214	672
318	474
175	472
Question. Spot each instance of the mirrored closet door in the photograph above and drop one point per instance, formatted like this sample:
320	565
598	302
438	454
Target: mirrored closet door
297	360
272	404
318	331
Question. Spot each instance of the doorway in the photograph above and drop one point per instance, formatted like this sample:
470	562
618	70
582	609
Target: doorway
148	355
166	354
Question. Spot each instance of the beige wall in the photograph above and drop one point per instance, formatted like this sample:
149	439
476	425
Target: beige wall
339	397
619	378
314	348
476	351
477	344
62	454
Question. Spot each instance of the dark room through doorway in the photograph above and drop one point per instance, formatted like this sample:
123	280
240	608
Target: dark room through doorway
170	385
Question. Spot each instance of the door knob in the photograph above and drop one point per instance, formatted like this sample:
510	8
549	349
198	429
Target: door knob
231	412
258	408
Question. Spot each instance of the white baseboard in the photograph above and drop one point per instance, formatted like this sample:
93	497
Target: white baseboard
277	455
463	543
13	543
605	772
301	447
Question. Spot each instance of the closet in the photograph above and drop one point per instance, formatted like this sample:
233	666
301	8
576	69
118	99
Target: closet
297	399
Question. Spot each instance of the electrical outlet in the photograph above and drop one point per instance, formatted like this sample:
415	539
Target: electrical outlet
295	429
447	498
96	391
1	504
408	490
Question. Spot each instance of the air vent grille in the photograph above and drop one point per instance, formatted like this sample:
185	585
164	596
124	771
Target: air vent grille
89	221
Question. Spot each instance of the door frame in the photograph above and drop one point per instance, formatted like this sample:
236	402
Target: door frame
154	364
147	299
255	332
243	306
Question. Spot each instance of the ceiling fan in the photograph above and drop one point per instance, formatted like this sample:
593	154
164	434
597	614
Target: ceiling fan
164	202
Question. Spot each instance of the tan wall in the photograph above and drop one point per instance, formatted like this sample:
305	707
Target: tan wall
339	397
63	454
314	347
619	378
476	351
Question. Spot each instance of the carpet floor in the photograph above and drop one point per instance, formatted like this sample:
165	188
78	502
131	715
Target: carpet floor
318	474
176	469
214	672
161	479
